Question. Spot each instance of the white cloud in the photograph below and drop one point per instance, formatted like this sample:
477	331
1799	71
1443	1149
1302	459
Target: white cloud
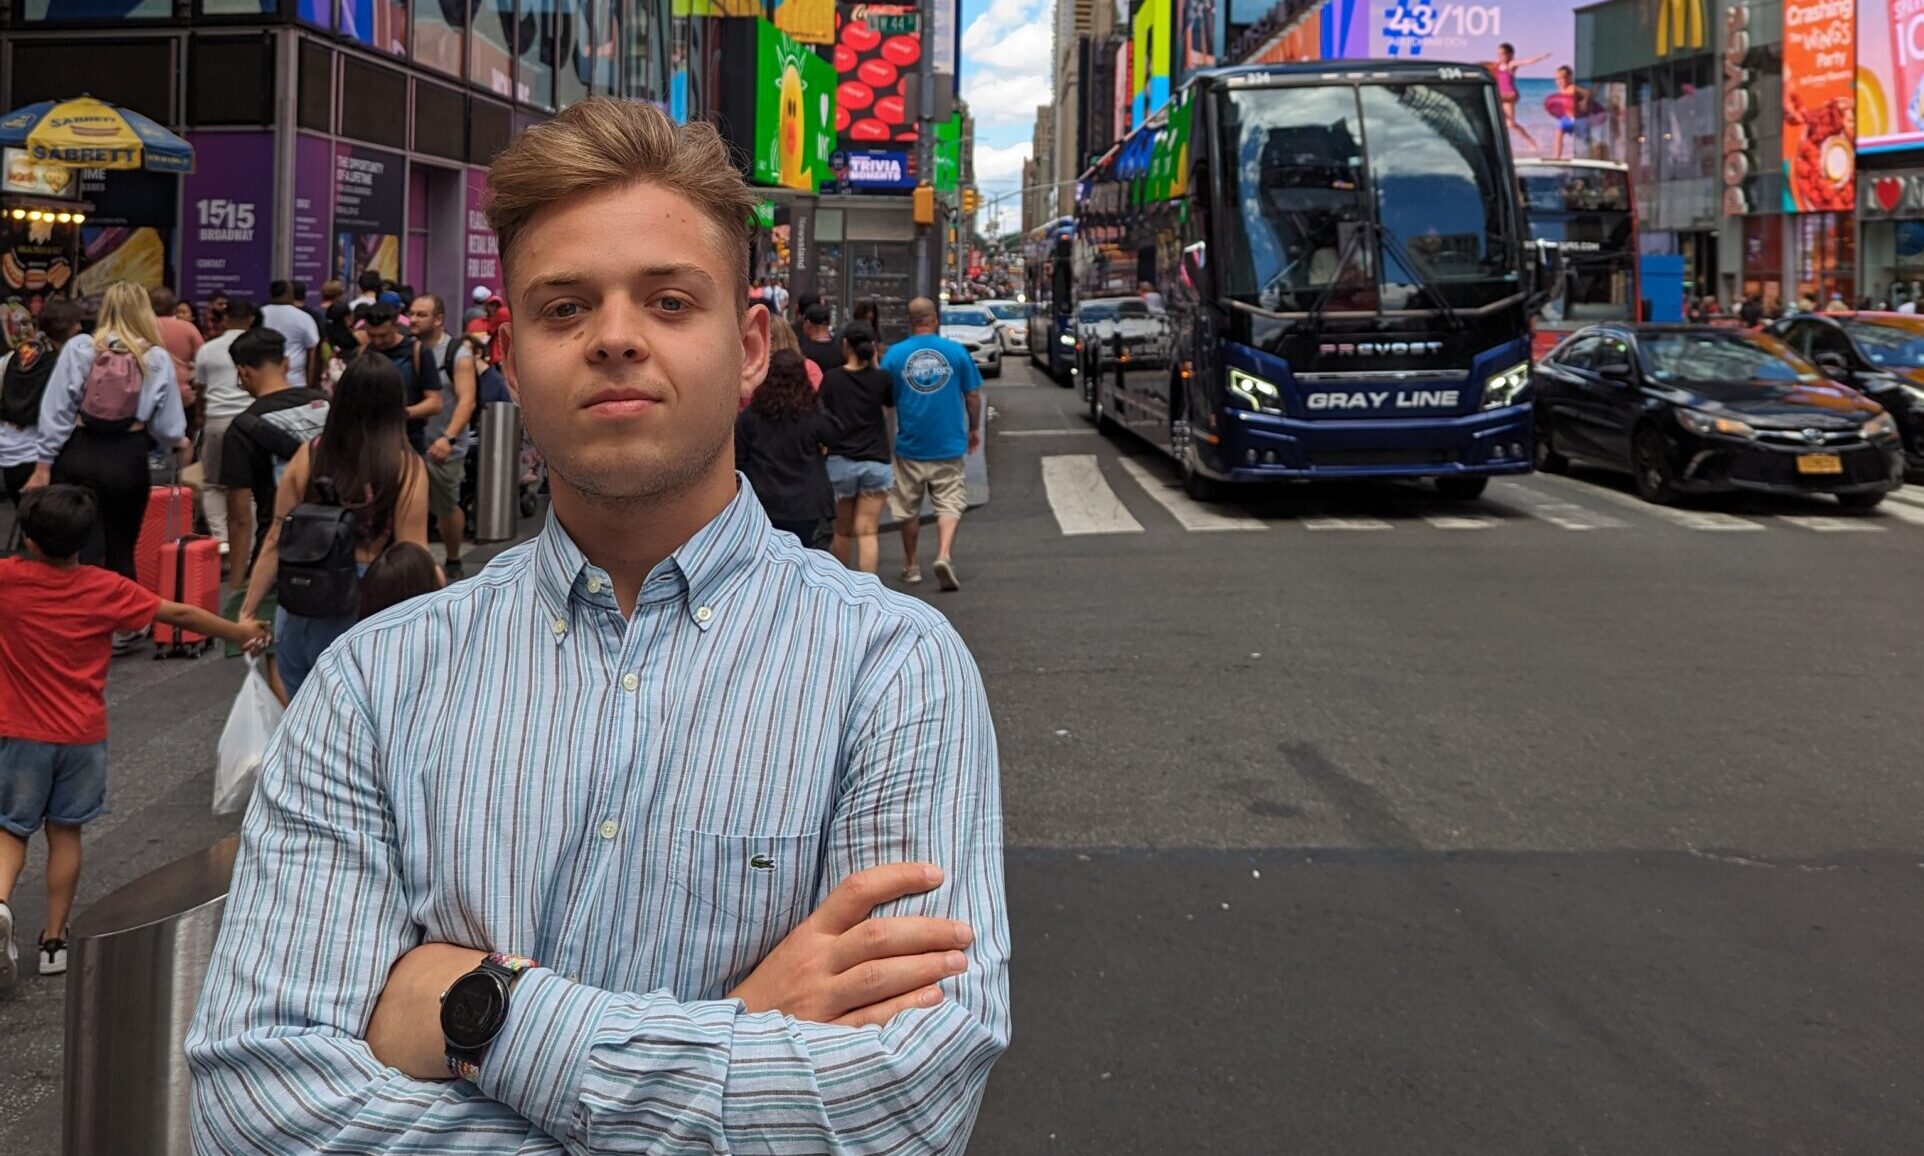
999	169
988	28
1024	48
998	101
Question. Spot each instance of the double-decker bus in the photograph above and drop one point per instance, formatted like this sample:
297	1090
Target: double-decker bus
1049	285
1586	209
1336	257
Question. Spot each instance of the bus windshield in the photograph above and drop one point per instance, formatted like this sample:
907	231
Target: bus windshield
1586	211
1420	222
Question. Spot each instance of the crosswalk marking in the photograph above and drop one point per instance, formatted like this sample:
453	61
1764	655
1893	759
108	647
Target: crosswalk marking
1828	524
1443	522
1559	513
1071	432
1082	501
1903	511
1711	520
1909	495
1346	524
1192	514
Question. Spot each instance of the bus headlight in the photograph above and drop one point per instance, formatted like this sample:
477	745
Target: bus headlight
1505	388
1066	339
1254	392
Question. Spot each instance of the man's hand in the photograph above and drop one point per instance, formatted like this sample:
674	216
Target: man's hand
439	449
975	440
405	1032
842	967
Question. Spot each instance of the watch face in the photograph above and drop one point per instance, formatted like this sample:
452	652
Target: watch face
472	1013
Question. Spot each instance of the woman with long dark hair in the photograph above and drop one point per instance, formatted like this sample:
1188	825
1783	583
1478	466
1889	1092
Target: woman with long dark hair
778	445
857	394
361	461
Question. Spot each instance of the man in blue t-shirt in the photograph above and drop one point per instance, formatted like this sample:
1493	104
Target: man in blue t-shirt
938	414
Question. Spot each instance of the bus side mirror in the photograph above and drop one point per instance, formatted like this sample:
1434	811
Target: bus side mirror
1547	273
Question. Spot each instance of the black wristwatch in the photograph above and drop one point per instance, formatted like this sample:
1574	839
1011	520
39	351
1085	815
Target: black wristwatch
475	1008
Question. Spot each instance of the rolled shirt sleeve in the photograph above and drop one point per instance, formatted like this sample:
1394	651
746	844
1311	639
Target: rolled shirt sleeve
611	1072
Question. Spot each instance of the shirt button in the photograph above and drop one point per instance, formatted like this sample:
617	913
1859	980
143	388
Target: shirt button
608	828
629	681
560	627
703	614
594	585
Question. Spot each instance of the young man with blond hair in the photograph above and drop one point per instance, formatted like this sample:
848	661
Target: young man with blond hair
714	862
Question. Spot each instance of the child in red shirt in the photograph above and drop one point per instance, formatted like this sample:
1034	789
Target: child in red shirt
57	623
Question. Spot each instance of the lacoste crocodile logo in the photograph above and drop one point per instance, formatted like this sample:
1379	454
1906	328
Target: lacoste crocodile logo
762	863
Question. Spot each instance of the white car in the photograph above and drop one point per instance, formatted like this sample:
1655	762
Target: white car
1012	324
1143	332
975	328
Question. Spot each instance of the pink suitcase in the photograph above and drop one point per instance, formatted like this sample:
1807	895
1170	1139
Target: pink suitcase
170	515
190	574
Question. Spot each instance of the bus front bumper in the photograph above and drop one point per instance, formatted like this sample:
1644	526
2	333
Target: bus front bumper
1255	447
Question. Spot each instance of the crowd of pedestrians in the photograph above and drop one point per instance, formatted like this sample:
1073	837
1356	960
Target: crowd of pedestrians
341	430
869	427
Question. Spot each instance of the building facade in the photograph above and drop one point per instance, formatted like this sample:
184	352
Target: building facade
330	138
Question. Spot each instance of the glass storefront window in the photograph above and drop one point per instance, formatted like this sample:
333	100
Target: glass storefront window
639	45
534	82
574	52
439	28
491	46
380	24
1826	257
1764	259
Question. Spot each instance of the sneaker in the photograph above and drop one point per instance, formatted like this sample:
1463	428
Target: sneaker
945	574
53	955
911	575
124	641
454	570
9	954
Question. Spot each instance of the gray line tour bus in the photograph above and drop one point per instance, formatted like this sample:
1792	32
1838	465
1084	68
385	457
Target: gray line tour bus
1336	273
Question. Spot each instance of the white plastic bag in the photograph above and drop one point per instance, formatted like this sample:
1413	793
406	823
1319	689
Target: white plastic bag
244	741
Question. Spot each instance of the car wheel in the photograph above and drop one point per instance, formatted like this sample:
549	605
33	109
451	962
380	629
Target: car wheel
995	369
1651	466
1097	417
1860	501
1198	485
1459	489
1548	460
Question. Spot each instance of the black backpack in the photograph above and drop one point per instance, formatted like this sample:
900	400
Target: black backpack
318	576
25	383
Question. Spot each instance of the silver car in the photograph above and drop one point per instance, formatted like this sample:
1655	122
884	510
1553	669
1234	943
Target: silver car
975	328
1012	325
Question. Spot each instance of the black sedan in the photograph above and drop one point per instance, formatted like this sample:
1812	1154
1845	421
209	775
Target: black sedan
1880	355
1696	409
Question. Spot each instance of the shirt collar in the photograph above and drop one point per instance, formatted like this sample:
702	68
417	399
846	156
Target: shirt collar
702	568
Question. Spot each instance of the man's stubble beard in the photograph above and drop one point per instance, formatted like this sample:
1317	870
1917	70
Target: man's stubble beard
642	484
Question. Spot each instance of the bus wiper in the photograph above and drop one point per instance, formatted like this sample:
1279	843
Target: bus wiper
1442	306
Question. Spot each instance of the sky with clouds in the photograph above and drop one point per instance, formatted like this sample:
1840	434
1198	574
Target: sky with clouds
1005	75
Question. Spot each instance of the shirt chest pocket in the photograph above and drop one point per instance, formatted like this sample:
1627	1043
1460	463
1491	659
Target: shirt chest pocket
738	896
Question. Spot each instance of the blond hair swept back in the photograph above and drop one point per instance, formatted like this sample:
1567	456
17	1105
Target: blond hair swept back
126	315
598	144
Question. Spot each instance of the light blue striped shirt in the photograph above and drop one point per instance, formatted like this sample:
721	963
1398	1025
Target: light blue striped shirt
510	765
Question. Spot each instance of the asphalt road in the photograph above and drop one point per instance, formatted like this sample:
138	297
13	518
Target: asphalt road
1357	821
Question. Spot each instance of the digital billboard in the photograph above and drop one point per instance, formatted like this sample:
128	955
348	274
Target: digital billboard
1820	115
877	49
1151	49
1890	75
1548	117
794	112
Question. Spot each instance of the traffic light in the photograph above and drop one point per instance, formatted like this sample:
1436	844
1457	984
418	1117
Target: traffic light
925	204
971	200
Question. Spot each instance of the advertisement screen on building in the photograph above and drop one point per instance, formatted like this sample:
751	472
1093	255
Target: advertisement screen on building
794	112
1890	75
1545	108
1151	49
877	49
1820	159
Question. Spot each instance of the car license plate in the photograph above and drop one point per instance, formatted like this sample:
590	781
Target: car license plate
1819	464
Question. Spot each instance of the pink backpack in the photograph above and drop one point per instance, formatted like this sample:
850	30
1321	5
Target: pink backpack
111	395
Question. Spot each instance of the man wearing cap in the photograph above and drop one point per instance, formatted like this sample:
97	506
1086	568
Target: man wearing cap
819	343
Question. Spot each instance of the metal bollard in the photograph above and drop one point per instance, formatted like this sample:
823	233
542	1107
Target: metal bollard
497	476
136	961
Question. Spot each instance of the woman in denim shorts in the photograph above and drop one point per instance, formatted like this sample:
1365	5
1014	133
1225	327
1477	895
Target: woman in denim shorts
856	395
